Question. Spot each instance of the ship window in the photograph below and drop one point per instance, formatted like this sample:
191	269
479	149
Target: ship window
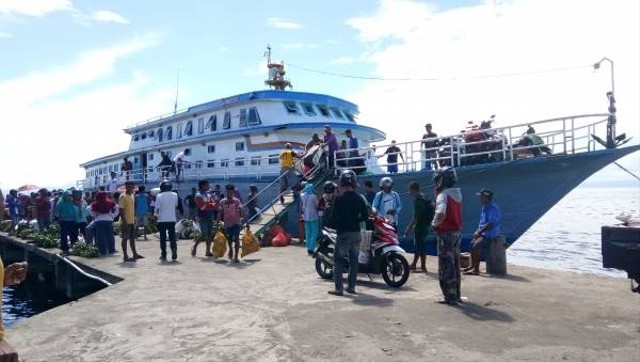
224	163
150	157
211	149
135	160
226	124
255	161
116	167
136	138
350	116
168	133
159	133
308	109
254	117
179	131
291	107
188	129
274	159
200	125
243	117
212	124
143	136
337	113
239	161
211	163
198	165
324	111
239	146
151	134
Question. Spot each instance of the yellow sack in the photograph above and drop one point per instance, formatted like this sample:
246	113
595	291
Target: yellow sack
249	243
219	246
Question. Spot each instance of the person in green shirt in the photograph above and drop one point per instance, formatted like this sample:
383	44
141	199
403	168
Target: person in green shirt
423	211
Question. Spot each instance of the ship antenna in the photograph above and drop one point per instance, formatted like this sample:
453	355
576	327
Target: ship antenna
175	105
276	73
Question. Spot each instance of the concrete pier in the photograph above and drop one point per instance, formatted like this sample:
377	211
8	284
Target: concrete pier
273	306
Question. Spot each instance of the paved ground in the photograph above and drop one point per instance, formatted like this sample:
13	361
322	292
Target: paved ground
273	306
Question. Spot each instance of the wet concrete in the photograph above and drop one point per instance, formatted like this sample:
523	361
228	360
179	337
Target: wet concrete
273	306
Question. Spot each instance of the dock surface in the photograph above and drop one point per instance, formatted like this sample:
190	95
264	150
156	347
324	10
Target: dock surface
273	306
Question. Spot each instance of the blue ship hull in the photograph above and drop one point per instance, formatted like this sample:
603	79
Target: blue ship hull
524	189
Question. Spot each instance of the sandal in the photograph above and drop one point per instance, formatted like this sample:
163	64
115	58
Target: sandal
471	272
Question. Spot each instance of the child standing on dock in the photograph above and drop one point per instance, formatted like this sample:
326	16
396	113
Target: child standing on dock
126	202
231	213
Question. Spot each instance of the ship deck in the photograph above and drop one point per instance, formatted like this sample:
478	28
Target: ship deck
273	306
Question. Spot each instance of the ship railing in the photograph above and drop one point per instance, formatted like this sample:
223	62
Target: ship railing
563	135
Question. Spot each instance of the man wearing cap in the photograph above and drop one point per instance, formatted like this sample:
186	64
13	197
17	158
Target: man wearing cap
429	140
287	174
488	229
332	143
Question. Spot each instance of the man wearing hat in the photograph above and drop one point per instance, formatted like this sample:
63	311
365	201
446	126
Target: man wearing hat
488	229
429	140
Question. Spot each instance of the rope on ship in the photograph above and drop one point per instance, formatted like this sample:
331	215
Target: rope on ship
626	170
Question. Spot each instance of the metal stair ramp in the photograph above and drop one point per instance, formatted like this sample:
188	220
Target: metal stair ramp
275	209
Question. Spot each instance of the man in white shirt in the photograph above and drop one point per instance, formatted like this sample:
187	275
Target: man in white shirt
165	210
112	184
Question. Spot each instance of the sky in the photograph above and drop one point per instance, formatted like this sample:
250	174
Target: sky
74	73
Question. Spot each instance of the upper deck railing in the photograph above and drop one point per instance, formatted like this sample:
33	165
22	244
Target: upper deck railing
564	135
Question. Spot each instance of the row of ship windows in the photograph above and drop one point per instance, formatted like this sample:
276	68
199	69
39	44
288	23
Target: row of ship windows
238	162
310	110
247	117
240	146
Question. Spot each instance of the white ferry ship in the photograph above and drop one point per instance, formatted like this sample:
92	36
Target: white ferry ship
234	137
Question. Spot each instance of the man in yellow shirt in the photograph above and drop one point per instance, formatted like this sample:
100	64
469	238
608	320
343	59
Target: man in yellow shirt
287	174
13	274
128	221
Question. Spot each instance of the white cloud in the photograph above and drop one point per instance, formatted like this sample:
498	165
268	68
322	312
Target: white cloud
5	35
332	42
90	66
105	16
299	46
223	49
408	39
36	8
53	129
285	24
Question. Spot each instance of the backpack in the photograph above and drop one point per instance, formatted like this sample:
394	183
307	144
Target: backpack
327	216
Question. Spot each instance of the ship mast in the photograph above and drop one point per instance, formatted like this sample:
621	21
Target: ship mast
276	78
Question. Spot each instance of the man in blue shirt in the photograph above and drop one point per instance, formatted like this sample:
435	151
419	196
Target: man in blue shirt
488	229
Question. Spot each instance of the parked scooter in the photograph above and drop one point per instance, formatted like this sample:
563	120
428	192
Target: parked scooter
381	257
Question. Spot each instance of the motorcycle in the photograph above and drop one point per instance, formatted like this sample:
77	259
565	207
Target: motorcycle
480	139
380	255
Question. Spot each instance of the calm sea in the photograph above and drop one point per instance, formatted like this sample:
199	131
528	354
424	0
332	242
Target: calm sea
568	236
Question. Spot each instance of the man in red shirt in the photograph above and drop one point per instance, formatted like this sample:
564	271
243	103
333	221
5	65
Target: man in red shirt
43	210
231	213
447	224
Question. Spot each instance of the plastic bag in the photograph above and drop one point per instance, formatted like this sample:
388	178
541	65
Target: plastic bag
219	246
249	243
365	240
281	239
363	257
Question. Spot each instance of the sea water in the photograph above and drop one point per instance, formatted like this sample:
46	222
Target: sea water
568	237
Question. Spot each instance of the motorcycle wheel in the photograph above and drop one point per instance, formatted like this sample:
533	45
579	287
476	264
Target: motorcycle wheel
324	270
396	270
